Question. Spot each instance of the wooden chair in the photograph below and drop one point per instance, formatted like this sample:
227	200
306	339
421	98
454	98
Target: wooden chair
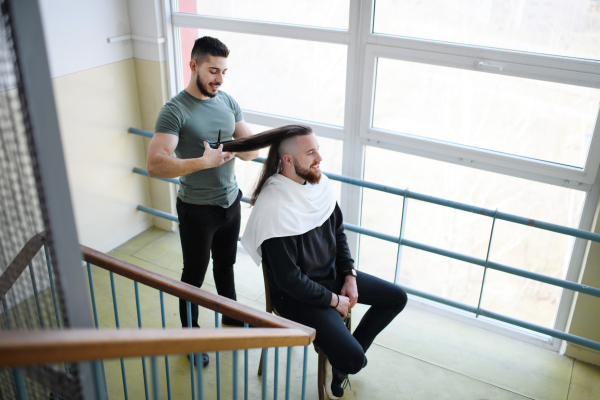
322	357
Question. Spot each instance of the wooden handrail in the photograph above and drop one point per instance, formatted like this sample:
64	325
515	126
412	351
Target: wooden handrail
18	265
191	293
21	348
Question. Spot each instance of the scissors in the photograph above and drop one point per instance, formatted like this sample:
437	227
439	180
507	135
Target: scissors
216	145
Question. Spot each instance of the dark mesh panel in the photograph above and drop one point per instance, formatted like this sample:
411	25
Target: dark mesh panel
28	301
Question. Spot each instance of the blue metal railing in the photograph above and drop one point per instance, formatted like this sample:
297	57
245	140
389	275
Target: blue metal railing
139	318
196	370
401	241
152	384
118	325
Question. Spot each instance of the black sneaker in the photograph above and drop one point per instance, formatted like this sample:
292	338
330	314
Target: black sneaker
335	382
339	383
204	359
225	320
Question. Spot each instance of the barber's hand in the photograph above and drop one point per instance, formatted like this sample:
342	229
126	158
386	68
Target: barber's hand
343	306
349	289
216	157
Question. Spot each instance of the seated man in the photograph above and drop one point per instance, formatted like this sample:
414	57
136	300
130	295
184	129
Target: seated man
296	229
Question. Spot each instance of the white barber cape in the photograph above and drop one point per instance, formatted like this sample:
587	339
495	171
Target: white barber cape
287	208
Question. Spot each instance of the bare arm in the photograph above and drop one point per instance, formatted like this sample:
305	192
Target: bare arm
242	130
162	164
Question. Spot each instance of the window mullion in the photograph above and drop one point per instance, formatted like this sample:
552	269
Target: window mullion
500	55
361	17
327	35
329	131
507	164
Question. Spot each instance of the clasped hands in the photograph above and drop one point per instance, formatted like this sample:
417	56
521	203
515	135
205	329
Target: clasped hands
347	298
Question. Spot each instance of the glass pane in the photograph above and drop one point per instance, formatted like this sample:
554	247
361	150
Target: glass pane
536	119
280	76
448	278
247	172
328	14
377	258
521	298
561	27
515	245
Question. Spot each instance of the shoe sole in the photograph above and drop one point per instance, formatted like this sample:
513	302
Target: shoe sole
328	380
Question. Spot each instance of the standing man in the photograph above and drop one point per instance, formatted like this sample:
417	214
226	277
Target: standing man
208	202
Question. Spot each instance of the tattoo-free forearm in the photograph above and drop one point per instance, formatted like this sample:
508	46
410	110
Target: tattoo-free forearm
165	166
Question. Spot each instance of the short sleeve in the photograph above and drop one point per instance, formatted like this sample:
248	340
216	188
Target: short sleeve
169	120
235	107
237	110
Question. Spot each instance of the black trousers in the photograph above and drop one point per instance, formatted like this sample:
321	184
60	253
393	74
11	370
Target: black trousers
204	229
345	351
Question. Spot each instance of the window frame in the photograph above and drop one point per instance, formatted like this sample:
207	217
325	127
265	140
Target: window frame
364	47
509	164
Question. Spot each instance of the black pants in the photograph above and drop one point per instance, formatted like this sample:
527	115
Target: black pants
205	229
345	351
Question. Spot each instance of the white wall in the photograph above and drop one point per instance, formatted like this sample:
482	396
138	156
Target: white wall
77	32
97	100
146	20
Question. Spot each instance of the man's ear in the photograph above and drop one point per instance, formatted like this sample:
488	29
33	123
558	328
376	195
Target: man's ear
193	65
287	159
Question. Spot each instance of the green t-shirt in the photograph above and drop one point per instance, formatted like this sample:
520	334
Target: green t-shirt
194	121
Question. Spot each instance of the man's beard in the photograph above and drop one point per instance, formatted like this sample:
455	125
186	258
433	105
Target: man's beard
312	177
202	88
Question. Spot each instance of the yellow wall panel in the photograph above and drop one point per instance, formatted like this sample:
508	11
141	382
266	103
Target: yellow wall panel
95	109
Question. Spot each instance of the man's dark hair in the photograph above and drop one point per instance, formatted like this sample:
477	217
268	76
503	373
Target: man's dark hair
205	46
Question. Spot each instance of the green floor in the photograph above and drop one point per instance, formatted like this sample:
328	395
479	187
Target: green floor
419	356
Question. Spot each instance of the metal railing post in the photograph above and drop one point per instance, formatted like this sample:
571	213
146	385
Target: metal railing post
164	325
288	373
192	357
6	314
218	362
235	375
487	260
52	288
304	372
276	372
93	297
92	294
155	381
264	373
198	358
139	318
246	368
20	384
99	381
114	296
402	228
36	295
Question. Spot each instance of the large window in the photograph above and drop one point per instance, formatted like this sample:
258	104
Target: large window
489	103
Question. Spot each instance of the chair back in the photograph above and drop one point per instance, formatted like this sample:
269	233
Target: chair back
269	307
